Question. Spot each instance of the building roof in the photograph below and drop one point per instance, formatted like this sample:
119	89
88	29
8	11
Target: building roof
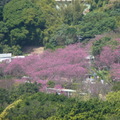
61	90
63	0
6	55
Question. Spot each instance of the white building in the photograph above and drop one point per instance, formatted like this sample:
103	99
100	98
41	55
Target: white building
6	56
63	0
67	92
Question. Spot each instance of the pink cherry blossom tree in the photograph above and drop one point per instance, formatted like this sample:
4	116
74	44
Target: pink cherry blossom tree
109	59
115	72
63	65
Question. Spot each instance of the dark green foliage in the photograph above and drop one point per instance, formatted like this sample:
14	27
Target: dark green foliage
22	23
49	46
4	96
97	4
4	99
116	86
15	49
37	106
95	23
49	106
26	88
3	33
36	22
2	3
73	13
98	45
115	11
89	110
51	84
64	35
24	20
8	96
1	11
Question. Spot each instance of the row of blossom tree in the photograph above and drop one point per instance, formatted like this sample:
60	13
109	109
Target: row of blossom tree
63	65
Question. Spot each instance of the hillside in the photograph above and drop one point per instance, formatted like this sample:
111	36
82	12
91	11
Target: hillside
34	26
70	64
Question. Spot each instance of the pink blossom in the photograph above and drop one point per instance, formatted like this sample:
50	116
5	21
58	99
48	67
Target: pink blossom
108	57
115	72
60	66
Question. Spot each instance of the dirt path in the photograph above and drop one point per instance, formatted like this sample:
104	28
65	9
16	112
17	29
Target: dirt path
33	50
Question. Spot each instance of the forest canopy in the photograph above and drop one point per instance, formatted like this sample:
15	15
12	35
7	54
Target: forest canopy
81	54
49	23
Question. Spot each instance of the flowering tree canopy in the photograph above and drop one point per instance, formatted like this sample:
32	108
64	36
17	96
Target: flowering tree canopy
115	72
62	65
109	59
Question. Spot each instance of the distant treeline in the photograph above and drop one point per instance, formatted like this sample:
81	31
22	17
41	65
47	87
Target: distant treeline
40	22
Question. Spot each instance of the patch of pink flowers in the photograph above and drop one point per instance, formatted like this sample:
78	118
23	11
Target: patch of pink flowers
110	59
63	64
115	72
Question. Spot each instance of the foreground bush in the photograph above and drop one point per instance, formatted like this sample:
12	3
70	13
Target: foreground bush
57	107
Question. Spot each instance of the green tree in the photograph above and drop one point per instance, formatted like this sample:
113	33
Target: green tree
72	13
51	84
97	4
18	36
4	96
15	49
34	107
2	3
52	15
3	33
113	97
64	35
99	44
25	22
95	23
26	88
116	86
